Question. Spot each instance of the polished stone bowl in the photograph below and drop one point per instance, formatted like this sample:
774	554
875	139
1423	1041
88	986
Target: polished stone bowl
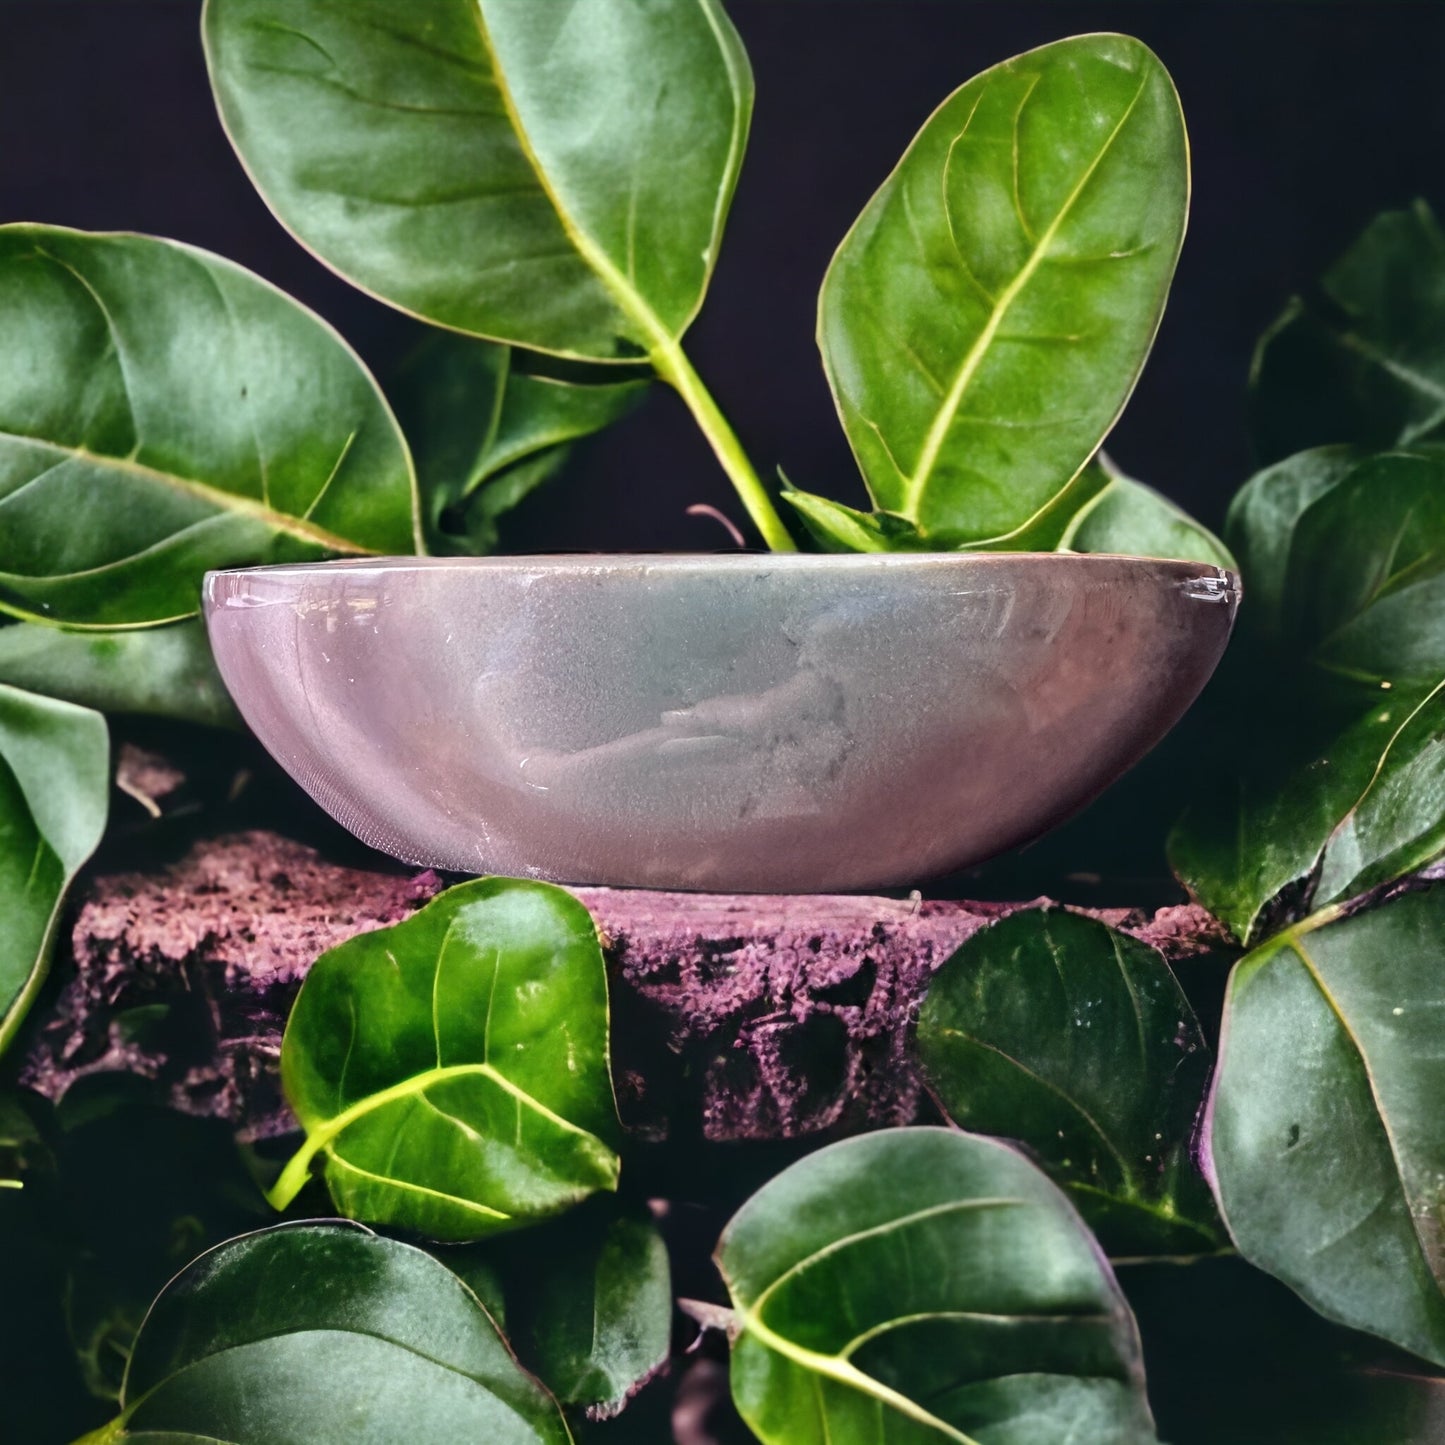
738	723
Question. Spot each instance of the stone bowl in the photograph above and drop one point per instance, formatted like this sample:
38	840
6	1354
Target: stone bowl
758	723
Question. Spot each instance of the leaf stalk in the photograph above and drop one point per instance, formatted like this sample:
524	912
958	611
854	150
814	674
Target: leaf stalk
672	366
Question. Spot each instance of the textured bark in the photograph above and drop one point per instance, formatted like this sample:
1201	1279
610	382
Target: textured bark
734	1017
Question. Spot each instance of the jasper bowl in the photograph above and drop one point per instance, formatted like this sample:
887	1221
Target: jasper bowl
739	723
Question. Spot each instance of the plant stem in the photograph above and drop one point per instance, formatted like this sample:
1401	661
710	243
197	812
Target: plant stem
113	1431
293	1178
672	365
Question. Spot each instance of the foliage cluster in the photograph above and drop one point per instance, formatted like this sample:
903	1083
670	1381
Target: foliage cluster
981	326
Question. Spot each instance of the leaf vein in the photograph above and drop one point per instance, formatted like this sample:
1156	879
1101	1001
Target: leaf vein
973	358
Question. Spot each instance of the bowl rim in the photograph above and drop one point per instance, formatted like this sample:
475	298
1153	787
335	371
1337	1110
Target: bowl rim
637	563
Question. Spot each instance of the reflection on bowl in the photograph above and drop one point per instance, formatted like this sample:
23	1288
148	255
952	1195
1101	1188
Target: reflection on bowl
740	723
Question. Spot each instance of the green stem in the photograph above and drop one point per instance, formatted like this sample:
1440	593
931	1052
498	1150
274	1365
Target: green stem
112	1431
293	1177
672	365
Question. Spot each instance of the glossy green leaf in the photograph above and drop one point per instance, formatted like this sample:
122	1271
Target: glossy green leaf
163	411
984	321
1344	558
1124	517
551	175
922	1285
159	671
1397	824
590	1305
1350	797
1044	531
485	432
453	1068
1365	589
54	794
1050	1028
836	528
326	1333
1101	510
1363	359
1337	783
1261	526
1326	1134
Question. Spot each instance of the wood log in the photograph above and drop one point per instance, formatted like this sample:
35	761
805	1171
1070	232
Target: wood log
734	1018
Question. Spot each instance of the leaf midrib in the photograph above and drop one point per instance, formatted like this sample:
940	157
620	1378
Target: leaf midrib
1294	942
217	497
1131	1184
887	1226
1087	1316
320	1135
973	359
1352	812
410	1186
1351	340
627	297
845	1373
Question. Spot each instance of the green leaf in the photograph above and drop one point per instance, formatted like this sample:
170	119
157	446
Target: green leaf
1344	558
836	528
159	671
485	431
1365	590
54	793
1337	797
1054	1030
326	1333
1363	360
1044	531
162	412
453	1068
1337	781
1397	825
554	175
925	1285
985	320
1101	510
1124	517
590	1305
1325	1131
1260	529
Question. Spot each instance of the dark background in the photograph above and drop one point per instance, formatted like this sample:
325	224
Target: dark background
1305	119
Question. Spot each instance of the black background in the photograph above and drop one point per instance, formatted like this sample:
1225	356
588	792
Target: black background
1305	119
